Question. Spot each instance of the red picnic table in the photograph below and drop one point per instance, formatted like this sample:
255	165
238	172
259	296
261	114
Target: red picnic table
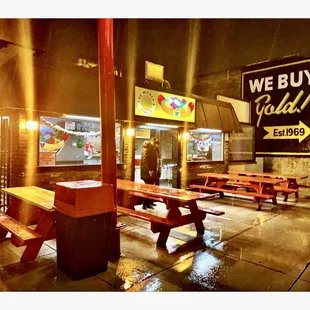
262	188
288	183
130	194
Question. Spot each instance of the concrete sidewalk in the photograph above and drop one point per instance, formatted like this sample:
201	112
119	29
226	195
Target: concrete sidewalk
242	250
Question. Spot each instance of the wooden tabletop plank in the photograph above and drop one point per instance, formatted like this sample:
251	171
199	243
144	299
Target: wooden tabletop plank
234	177
159	191
33	195
268	174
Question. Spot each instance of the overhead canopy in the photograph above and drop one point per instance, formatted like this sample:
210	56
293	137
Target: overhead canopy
214	114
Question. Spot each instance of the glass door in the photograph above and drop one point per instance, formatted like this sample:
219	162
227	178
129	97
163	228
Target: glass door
168	144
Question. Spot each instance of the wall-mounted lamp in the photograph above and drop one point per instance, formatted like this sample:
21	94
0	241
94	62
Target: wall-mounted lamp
31	125
185	135
130	132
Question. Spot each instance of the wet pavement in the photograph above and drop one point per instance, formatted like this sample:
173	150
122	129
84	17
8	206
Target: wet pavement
242	250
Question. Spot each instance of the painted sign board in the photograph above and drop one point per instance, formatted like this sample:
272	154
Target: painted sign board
157	104
47	159
280	107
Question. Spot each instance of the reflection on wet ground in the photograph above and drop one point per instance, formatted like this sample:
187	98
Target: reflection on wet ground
242	250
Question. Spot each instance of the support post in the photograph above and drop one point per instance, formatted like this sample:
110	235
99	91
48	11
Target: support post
107	115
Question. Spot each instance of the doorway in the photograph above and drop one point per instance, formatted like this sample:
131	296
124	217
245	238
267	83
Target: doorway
4	159
168	142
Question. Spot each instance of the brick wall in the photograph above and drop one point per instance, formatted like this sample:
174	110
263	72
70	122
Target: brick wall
289	165
228	83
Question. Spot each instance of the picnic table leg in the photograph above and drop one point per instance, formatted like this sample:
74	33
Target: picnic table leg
196	216
273	192
3	234
124	199
259	203
14	212
218	184
285	196
163	237
292	183
45	225
173	214
23	213
263	189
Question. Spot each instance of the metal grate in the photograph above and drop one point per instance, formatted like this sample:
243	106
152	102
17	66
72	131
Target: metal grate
4	159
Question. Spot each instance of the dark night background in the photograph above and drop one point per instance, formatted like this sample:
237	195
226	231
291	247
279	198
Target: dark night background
223	43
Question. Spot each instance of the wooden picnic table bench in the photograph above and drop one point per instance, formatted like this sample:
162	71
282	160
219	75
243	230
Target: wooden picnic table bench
29	205
262	189
143	196
287	183
129	191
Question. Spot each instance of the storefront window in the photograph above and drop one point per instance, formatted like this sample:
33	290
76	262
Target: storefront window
205	145
64	141
241	145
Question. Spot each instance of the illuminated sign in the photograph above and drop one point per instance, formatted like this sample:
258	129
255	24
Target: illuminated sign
280	108
151	103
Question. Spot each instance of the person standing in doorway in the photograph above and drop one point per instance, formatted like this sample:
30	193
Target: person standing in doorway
158	173
149	167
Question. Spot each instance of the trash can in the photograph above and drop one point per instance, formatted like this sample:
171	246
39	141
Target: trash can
84	211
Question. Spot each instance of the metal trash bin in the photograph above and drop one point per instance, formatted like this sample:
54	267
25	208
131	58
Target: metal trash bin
84	211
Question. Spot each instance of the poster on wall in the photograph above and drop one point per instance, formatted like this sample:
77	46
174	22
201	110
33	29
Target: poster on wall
69	125
280	108
143	133
47	159
50	139
157	104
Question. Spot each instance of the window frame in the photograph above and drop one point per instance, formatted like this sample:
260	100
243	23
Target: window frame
206	160
77	164
253	159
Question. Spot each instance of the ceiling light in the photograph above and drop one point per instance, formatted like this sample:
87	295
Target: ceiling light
207	130
78	117
160	125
